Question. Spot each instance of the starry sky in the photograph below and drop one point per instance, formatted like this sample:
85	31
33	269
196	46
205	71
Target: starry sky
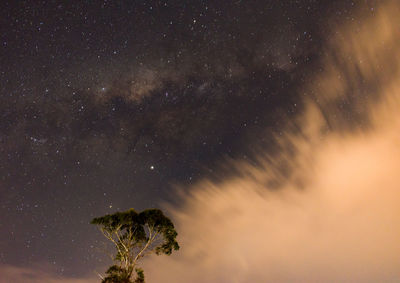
107	105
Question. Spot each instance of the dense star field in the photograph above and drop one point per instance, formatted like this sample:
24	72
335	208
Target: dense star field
107	105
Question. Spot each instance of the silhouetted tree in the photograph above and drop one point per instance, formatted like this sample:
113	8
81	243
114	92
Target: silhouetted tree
134	236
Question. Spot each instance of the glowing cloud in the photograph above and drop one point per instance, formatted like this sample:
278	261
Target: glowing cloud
336	214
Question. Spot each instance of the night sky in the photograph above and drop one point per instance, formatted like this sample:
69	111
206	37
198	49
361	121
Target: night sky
107	105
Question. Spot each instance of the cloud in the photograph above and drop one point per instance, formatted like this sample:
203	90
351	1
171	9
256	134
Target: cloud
15	274
334	215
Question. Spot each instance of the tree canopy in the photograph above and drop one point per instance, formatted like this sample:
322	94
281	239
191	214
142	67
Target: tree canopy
135	235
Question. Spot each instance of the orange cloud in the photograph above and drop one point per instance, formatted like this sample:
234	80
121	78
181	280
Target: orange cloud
15	274
336	215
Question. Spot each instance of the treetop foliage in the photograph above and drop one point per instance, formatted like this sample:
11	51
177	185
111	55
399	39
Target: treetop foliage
135	235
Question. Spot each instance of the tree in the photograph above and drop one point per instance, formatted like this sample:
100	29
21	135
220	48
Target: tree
135	235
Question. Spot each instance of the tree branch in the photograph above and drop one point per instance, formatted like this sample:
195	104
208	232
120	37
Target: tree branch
149	241
109	236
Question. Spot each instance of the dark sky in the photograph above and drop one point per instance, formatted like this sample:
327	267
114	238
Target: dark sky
106	104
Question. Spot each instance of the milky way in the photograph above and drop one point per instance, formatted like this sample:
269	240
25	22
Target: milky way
106	105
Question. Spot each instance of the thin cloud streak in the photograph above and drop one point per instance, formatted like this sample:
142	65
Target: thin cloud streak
41	274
